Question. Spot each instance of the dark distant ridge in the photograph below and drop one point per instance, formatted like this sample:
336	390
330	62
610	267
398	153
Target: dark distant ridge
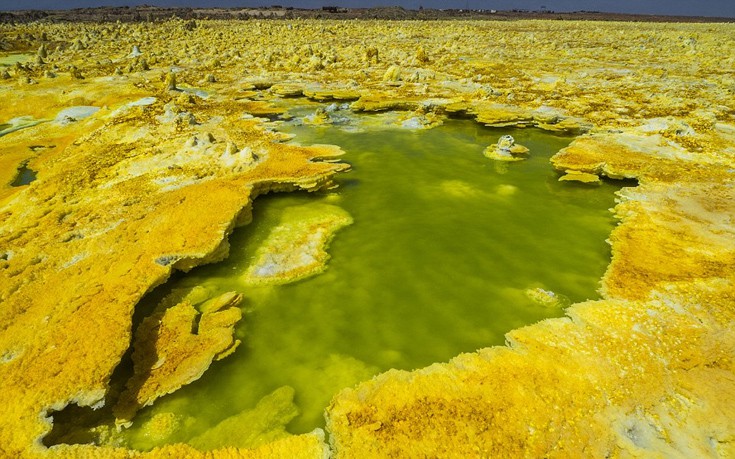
147	13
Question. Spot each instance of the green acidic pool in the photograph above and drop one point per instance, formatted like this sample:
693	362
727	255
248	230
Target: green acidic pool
444	246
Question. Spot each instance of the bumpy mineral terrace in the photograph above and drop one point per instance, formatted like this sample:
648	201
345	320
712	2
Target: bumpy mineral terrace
149	142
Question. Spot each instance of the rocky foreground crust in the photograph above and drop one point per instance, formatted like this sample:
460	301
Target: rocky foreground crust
149	142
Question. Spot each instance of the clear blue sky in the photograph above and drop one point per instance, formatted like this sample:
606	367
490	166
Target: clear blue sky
723	8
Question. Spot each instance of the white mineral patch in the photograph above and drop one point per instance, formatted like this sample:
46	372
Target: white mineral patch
75	259
463	87
546	114
547	298
142	102
10	355
654	145
232	158
548	79
92	233
414	122
145	101
135	52
174	182
301	256
196	91
168	115
267	269
72	114
663	124
337	107
18	123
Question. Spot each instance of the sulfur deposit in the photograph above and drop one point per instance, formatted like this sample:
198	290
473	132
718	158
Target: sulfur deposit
506	150
175	346
146	161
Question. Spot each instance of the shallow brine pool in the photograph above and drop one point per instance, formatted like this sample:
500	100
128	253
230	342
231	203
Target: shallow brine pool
448	251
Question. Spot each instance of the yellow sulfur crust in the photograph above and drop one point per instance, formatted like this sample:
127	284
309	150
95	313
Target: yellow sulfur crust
159	175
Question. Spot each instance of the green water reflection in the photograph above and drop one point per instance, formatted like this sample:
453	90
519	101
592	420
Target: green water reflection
444	244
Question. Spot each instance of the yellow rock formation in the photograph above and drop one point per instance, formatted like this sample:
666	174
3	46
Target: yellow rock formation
577	176
158	176
175	347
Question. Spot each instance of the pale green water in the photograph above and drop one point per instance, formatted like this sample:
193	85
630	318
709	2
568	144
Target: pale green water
10	59
445	241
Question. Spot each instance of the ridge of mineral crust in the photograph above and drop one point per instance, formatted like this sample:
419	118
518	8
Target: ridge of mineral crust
157	178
